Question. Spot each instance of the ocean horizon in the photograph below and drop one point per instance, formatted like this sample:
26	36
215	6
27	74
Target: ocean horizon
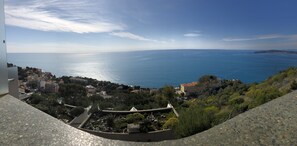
156	68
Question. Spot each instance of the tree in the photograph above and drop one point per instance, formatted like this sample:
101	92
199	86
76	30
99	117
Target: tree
76	90
32	84
35	98
96	98
207	78
76	111
74	94
168	93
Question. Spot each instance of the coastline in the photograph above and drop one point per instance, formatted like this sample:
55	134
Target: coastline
155	69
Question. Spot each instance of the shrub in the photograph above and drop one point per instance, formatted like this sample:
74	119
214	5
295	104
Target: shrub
134	118
146	126
236	101
170	123
211	109
191	121
207	78
120	124
76	111
294	85
261	96
35	98
110	121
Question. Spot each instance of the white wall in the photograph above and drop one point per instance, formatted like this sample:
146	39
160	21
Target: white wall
3	61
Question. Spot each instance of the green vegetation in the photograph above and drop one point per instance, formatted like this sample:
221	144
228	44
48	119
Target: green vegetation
48	104
134	118
219	100
170	123
294	85
150	121
192	120
76	111
211	102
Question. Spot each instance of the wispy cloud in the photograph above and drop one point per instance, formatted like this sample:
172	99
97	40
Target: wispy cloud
134	37
261	37
54	15
192	34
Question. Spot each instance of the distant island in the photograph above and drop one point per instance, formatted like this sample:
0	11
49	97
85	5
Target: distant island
276	52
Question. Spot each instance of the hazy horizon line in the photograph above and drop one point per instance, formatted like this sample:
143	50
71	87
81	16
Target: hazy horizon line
119	51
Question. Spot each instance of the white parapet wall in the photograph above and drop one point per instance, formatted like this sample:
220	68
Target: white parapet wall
3	61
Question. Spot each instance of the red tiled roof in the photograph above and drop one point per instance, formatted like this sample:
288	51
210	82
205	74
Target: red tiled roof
190	84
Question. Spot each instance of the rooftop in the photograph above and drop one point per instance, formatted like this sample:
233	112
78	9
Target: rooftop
190	84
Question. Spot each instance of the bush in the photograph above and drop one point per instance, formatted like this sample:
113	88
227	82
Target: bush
32	84
110	121
94	108
294	85
76	111
262	96
145	126
120	124
211	109
207	78
134	118
42	108
170	123
192	121
236	101
35	98
221	117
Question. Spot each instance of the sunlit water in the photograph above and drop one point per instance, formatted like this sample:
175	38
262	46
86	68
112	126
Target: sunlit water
158	68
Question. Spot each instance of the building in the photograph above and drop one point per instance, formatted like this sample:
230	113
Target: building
51	87
42	84
91	90
188	87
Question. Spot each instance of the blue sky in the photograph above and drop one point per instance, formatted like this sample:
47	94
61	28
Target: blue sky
84	26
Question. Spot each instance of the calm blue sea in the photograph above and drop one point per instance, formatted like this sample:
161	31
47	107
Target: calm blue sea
158	68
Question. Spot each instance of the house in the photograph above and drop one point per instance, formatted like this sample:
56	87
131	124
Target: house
91	90
51	87
42	84
103	93
188	87
136	91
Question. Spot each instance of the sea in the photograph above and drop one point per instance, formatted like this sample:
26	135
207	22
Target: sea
154	69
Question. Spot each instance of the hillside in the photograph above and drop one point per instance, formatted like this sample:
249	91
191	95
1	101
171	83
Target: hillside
216	100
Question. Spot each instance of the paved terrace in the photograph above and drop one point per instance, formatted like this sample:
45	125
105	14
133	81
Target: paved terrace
274	123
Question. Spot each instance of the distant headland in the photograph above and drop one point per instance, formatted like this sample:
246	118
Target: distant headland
276	52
